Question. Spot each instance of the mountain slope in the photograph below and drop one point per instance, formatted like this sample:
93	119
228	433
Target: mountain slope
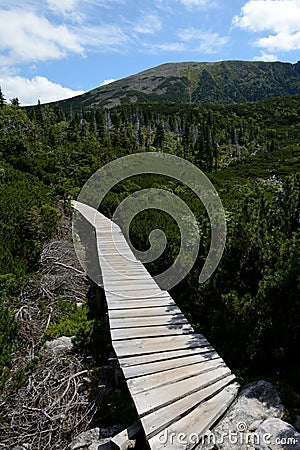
195	82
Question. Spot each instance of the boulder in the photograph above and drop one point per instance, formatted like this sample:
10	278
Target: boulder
256	402
94	439
275	434
61	344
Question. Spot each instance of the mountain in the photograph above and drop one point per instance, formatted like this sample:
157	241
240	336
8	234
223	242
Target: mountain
223	82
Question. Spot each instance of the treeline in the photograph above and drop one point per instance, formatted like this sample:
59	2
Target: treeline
212	137
250	308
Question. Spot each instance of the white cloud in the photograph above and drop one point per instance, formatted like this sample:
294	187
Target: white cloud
204	41
282	41
195	3
103	37
192	40
27	37
29	91
280	17
166	47
62	5
79	6
105	82
148	24
267	57
30	33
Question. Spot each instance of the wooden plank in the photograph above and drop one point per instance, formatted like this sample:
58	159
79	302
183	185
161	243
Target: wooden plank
134	271
118	263
196	423
134	294
125	285
118	256
133	347
168	377
121	298
115	296
148	320
121	250
143	312
116	231
139	303
160	294
169	355
118	334
125	274
153	399
160	366
147	288
129	280
162	418
115	270
112	242
119	247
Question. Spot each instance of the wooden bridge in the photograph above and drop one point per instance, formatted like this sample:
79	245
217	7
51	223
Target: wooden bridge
179	384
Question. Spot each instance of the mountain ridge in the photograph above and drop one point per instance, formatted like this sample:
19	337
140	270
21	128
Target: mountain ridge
224	82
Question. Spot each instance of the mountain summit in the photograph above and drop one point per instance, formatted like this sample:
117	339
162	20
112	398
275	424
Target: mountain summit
223	82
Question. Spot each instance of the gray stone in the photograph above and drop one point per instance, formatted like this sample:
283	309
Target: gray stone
61	344
95	439
110	431
256	402
274	434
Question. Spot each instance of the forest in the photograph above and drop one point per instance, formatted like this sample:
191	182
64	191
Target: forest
250	308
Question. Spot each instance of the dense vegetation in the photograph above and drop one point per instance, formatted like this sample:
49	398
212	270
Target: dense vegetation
250	308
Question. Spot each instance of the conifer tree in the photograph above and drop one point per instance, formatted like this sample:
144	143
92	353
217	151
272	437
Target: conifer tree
2	98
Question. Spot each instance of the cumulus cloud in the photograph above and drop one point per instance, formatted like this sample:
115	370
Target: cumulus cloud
280	17
29	91
27	37
31	33
204	41
280	42
267	57
148	24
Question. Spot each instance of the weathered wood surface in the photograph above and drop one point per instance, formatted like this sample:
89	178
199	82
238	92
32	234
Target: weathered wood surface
178	382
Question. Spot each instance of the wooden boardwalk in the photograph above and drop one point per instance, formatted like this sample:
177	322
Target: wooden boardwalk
178	382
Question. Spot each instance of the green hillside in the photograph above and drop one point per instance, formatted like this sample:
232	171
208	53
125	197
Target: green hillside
223	82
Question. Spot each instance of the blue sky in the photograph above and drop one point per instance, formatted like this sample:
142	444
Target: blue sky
54	49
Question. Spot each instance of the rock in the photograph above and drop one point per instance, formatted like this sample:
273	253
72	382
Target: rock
110	431
61	344
256	402
88	440
95	439
274	434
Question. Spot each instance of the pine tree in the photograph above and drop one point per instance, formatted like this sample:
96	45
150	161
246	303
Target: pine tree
2	99
15	101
